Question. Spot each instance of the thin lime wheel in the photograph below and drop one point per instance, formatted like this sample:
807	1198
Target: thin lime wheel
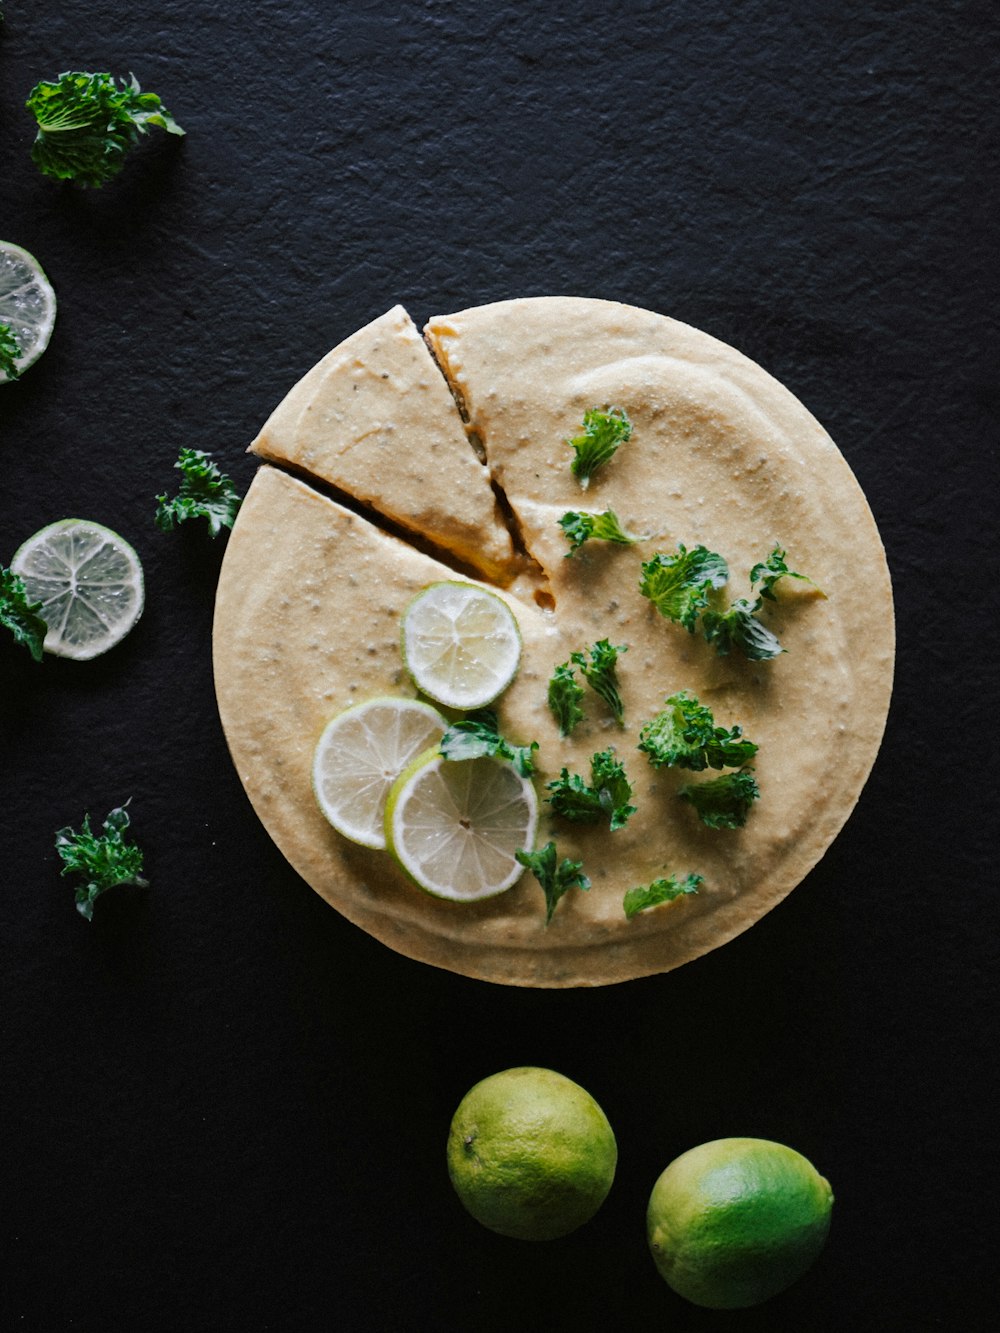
27	305
361	753
461	644
455	827
89	583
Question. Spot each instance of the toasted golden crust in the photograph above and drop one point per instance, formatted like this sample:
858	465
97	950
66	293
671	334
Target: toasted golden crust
720	454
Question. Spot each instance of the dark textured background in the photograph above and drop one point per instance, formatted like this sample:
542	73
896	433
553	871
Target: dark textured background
225	1107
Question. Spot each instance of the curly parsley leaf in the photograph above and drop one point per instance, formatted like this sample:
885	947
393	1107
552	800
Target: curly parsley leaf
768	572
644	896
555	878
103	860
725	801
19	615
478	735
678	585
684	735
564	698
580	527
88	122
598	441
606	796
739	628
599	672
205	493
10	350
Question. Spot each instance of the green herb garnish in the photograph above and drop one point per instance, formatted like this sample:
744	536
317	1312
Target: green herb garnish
769	571
87	123
555	879
599	672
581	527
678	585
19	615
725	801
739	628
205	493
644	896
478	735
684	735
10	350
598	441
104	861
564	698
606	796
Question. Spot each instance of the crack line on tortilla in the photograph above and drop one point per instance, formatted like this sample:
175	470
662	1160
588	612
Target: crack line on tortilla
534	569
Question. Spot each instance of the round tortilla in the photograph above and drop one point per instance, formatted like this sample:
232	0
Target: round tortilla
311	594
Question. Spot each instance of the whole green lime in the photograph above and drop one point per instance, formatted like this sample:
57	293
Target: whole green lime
733	1222
531	1154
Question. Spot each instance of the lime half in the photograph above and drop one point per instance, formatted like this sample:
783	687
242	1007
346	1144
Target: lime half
89	583
361	753
454	827
27	304
461	644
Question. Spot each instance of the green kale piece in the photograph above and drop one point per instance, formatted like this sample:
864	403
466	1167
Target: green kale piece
600	675
666	890
684	735
104	861
555	879
678	585
19	615
607	795
725	801
10	350
580	527
768	572
87	123
739	628
478	735
564	698
205	493
598	441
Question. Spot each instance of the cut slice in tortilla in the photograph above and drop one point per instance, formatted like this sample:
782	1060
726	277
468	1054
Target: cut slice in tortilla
375	420
311	595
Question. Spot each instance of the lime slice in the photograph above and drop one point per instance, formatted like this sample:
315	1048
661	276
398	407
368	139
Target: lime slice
27	304
89	583
454	827
361	753
461	644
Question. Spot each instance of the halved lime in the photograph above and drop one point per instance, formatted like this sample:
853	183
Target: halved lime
89	582
27	304
454	828
461	644
361	753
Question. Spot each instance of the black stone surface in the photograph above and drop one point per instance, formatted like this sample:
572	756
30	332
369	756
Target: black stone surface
225	1108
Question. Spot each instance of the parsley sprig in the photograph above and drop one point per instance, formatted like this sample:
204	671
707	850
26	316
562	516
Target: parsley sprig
768	572
10	350
564	696
725	801
600	672
598	441
205	493
555	877
678	585
103	860
88	122
684	735
606	796
21	616
579	527
664	890
478	735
